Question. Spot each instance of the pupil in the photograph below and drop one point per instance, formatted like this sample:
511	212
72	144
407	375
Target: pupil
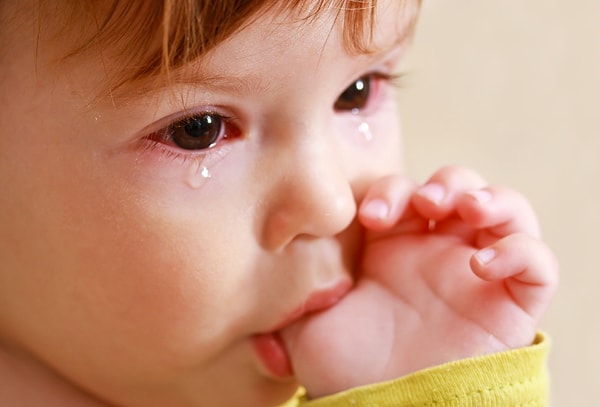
355	96
197	133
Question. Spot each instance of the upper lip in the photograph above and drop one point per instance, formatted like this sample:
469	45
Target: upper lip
317	301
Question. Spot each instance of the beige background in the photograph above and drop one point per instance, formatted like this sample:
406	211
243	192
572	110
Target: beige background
513	90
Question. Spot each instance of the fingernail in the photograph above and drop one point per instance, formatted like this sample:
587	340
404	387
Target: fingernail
480	195
485	256
433	192
375	209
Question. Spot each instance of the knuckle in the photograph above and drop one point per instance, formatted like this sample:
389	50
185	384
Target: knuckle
458	177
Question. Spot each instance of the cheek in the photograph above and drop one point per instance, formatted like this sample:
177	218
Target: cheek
174	251
126	268
372	143
164	268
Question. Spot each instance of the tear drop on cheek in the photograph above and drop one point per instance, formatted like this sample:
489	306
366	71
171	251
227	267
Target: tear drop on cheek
198	174
365	131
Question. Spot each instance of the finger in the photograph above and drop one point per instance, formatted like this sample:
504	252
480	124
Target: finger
386	202
527	266
501	211
437	198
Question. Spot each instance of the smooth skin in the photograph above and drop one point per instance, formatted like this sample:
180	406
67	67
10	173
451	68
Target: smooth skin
130	276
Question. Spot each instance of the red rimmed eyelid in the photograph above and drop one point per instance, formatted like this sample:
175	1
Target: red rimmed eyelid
376	92
387	78
229	129
381	79
391	78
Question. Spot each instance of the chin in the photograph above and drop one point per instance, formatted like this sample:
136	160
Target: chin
268	395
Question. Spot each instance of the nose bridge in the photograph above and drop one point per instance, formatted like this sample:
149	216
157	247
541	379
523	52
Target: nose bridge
311	193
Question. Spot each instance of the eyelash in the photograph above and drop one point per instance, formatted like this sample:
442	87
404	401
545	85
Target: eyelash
162	139
351	96
394	79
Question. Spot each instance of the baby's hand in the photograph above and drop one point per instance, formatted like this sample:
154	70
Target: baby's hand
450	270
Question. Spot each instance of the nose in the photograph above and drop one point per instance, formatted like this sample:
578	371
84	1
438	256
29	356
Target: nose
310	195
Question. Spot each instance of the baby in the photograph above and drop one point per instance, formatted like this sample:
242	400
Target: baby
204	205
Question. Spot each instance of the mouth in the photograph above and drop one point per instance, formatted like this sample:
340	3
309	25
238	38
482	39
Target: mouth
273	355
270	348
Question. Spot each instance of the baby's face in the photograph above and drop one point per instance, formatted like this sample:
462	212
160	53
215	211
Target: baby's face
152	246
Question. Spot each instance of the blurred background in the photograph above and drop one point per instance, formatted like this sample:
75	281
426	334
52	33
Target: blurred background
512	89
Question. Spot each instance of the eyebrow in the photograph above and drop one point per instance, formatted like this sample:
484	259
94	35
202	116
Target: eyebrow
155	85
242	83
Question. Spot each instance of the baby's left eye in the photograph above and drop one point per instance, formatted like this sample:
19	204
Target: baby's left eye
356	96
363	91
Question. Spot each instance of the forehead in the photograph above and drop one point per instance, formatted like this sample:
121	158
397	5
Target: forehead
287	37
327	32
130	53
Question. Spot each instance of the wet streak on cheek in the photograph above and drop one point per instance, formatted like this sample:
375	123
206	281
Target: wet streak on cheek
197	175
364	129
159	167
371	134
382	146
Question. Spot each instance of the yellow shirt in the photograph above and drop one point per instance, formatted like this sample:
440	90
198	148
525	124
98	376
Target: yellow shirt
513	378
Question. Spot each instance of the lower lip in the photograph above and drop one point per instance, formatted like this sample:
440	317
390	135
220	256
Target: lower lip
271	352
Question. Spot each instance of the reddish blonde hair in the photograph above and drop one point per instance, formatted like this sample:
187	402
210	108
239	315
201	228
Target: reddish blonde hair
153	37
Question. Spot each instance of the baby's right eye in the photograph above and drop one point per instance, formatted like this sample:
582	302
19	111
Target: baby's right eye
198	132
193	135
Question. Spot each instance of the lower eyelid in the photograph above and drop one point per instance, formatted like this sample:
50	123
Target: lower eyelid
164	135
159	143
162	152
379	84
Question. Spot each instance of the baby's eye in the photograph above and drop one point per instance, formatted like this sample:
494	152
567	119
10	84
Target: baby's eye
356	96
196	133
